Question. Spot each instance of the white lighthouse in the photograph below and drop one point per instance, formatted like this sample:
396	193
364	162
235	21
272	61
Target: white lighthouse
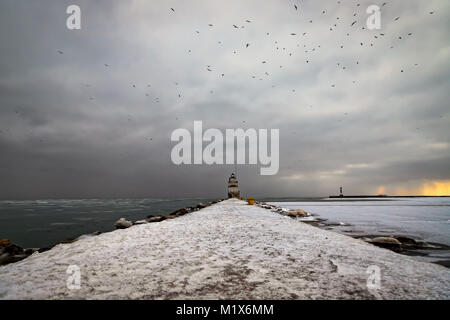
233	189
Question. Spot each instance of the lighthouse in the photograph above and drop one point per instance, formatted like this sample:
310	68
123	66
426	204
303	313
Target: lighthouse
233	189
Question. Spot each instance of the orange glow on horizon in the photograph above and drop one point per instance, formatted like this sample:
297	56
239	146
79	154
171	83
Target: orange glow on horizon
381	190
432	188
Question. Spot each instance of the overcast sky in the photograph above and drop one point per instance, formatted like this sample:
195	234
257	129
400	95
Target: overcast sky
71	127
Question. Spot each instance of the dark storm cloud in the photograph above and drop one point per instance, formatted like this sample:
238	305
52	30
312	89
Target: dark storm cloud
72	127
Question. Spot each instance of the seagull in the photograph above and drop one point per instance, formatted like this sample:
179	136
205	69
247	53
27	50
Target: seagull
295	7
172	9
235	26
353	23
247	45
248	21
396	18
60	52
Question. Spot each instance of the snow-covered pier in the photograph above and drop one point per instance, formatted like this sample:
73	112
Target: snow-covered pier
229	250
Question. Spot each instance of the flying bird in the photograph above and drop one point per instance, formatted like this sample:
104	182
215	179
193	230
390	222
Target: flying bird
60	52
353	23
172	9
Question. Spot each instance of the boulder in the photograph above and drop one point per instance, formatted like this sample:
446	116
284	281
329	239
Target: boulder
406	240
298	213
4	243
201	205
180	212
123	224
29	251
156	219
12	249
387	242
140	222
171	216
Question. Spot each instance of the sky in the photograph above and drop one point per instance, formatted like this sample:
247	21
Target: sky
89	113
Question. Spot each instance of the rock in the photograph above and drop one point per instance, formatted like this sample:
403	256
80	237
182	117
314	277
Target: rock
298	213
171	216
387	242
180	212
4	243
4	259
12	249
201	205
150	216
123	224
140	222
156	219
10	253
405	240
30	251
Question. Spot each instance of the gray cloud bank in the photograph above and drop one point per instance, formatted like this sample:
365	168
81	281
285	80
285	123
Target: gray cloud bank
71	127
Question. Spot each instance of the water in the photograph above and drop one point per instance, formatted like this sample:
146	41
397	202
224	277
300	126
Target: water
42	223
425	219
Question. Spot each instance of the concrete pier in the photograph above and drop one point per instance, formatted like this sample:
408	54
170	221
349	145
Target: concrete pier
229	250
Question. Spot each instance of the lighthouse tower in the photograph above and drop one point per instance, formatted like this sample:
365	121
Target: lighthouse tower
233	189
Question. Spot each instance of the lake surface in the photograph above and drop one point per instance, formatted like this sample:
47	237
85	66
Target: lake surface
41	223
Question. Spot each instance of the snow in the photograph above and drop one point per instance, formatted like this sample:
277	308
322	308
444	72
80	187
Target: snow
229	250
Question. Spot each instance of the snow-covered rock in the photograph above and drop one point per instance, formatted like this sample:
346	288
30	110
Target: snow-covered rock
298	213
140	222
123	224
387	242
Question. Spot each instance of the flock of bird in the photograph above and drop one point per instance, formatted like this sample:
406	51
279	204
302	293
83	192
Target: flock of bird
339	23
307	50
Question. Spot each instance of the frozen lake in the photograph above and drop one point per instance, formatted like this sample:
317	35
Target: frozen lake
420	218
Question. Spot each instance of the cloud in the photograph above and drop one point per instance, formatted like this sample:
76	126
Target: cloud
72	127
